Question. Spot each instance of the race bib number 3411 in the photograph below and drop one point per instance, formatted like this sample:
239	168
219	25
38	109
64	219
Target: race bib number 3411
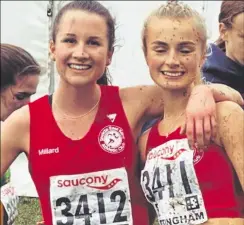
90	199
170	183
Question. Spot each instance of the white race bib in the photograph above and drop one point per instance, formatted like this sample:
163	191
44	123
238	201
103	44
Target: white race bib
169	182
10	201
90	199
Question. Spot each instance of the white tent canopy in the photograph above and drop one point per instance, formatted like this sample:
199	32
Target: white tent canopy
26	24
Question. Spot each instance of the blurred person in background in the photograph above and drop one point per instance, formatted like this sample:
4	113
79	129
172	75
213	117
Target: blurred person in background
225	61
19	79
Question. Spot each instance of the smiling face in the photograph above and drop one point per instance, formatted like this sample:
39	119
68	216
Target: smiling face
174	52
81	47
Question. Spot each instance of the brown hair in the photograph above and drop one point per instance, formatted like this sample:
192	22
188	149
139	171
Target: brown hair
16	61
92	7
178	10
228	10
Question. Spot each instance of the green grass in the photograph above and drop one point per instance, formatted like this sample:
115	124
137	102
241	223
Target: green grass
30	213
156	223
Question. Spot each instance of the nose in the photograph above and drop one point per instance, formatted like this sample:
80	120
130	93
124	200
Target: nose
80	52
172	59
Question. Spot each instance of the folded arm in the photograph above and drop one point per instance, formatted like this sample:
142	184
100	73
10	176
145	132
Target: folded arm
147	103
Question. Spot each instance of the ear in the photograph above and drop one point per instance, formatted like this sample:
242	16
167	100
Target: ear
52	50
223	31
109	57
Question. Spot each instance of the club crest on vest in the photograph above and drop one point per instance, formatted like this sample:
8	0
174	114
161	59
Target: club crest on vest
111	139
198	155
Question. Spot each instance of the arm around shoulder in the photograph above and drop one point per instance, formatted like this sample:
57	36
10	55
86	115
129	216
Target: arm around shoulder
231	132
14	137
223	92
148	98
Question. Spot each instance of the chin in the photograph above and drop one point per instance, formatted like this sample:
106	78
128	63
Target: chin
172	85
80	81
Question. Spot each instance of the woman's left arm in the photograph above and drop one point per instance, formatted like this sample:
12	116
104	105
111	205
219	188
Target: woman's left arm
201	111
146	103
230	119
222	92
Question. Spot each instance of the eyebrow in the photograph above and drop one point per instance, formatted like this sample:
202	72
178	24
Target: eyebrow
183	43
69	34
187	43
95	37
26	93
159	43
91	37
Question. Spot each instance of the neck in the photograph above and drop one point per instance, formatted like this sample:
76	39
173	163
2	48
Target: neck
229	55
175	102
76	100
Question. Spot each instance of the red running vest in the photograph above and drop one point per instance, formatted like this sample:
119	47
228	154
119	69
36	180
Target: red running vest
216	176
91	165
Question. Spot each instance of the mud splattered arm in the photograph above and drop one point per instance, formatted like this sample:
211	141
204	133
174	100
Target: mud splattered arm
201	111
223	92
231	131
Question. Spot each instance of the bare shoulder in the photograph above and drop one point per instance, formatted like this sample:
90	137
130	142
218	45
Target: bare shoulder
142	102
133	100
17	126
132	94
19	118
140	92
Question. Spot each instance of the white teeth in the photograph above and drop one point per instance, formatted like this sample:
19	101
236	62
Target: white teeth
79	67
174	74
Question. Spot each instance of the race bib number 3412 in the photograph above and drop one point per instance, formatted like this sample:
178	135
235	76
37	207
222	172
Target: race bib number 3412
10	200
90	199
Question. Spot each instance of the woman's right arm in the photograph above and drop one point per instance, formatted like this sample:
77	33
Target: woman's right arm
231	135
14	137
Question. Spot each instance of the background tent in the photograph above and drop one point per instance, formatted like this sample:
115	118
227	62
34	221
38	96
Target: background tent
26	24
